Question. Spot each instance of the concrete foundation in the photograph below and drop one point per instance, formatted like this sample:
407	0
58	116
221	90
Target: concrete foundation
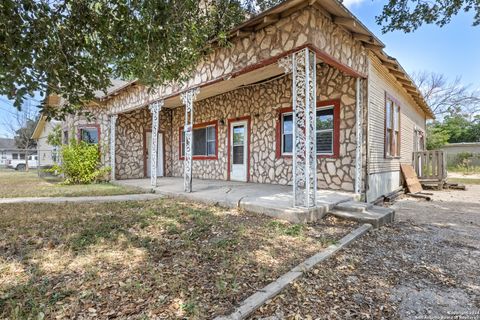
272	200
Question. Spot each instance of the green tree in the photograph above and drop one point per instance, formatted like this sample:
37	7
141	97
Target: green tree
436	137
453	129
409	15
74	47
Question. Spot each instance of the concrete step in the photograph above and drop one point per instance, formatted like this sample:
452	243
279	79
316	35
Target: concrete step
354	206
376	216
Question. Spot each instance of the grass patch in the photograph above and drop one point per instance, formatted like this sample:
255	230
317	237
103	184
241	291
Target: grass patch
288	229
15	184
155	259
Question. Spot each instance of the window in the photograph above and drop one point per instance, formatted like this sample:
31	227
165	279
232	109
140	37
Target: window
89	135
327	130
14	156
392	128
22	156
204	141
65	136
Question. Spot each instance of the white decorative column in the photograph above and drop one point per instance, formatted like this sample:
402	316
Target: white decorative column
155	108
359	135
302	64
113	127
187	98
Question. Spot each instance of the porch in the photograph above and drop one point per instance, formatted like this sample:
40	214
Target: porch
272	200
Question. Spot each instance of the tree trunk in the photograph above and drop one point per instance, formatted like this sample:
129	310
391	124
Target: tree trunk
26	160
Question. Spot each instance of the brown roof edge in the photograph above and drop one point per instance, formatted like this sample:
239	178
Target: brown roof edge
399	73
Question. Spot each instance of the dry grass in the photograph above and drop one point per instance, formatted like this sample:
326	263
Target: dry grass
15	184
464	180
155	259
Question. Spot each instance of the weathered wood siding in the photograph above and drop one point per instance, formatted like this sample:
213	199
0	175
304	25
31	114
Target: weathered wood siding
380	82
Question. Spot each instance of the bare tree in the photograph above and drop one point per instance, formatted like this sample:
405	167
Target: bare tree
21	126
447	97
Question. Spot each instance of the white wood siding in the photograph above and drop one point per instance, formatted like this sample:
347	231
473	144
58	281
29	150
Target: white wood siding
380	81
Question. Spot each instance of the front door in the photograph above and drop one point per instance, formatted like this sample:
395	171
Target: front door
159	154
238	150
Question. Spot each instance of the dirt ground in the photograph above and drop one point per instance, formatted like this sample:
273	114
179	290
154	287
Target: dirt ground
425	266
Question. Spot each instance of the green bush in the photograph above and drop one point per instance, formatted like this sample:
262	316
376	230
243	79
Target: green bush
80	163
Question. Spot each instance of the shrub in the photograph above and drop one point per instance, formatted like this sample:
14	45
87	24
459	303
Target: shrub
81	163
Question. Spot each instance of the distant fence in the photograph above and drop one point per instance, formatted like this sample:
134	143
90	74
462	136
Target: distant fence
466	159
430	165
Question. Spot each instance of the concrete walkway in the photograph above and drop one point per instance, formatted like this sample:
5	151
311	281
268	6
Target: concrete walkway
269	199
116	198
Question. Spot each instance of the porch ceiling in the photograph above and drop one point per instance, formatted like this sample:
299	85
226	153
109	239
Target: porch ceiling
226	85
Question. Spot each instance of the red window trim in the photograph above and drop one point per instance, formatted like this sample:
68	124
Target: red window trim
197	126
336	129
229	121
88	126
395	102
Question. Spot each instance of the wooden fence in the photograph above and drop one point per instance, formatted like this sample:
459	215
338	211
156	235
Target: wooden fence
430	166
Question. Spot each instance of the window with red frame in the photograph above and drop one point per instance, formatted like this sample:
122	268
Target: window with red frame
89	135
392	128
324	131
204	141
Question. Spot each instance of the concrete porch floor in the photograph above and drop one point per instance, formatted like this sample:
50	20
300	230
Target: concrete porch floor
269	199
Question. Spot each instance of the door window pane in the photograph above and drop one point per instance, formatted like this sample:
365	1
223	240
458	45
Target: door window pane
238	154
238	135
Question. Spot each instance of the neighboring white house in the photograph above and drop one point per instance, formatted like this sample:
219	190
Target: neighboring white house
9	151
47	154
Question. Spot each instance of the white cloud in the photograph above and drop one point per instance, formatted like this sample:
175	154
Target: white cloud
351	3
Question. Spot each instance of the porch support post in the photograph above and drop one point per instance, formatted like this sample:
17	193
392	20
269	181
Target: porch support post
303	67
187	98
155	108
359	136
113	122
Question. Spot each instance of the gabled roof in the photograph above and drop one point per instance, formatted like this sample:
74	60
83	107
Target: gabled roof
340	15
7	144
117	85
40	125
345	18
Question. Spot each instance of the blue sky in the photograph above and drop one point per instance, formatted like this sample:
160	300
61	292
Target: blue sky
453	50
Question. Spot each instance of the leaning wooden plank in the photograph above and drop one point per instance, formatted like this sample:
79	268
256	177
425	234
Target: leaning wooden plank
411	179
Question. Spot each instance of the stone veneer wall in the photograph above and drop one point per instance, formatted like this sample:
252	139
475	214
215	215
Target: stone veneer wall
261	102
130	142
306	26
100	117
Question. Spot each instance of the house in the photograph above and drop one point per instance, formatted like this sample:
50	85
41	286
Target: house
47	154
303	96
9	151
